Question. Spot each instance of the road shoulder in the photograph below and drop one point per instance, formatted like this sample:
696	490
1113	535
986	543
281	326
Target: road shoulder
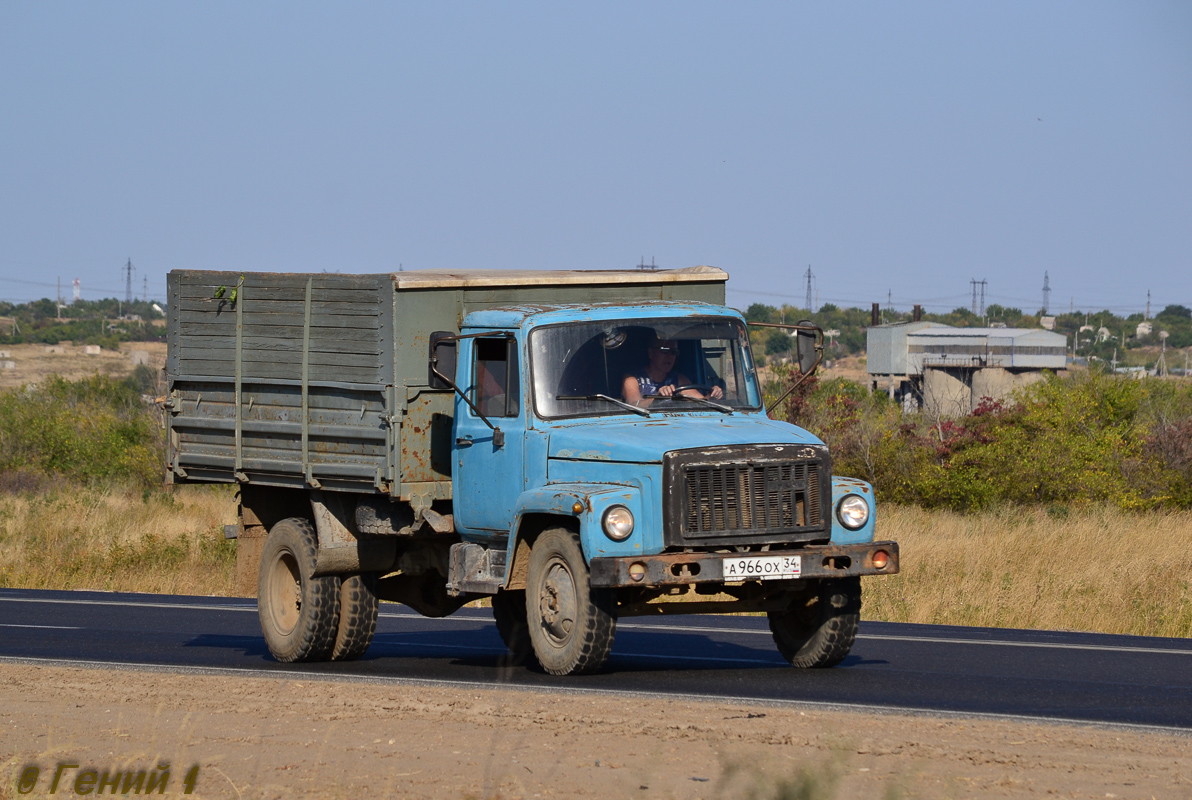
273	737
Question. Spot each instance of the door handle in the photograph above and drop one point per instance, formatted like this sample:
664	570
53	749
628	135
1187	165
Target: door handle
463	441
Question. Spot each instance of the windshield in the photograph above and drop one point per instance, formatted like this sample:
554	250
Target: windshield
574	364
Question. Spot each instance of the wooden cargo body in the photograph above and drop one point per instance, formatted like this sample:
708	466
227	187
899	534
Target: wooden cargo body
320	380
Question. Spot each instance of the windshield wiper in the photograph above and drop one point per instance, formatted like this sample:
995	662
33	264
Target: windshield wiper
702	400
621	403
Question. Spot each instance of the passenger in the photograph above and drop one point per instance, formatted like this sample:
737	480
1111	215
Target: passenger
659	378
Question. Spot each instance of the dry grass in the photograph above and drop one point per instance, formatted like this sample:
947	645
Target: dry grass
33	364
119	540
1098	569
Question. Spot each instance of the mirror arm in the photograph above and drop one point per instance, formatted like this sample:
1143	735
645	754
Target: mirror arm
498	434
819	356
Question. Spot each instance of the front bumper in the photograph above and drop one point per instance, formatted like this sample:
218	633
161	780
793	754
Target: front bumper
819	561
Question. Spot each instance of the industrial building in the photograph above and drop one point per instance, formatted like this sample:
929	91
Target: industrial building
947	371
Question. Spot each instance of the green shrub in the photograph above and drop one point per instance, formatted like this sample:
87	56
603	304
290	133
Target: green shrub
1087	438
96	429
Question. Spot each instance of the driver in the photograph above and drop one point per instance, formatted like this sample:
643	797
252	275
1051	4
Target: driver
659	378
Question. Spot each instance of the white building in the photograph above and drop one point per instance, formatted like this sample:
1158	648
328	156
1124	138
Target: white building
951	370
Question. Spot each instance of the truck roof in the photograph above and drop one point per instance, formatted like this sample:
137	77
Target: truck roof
444	278
547	314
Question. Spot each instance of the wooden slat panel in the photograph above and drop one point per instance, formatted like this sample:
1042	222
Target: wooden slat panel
277	357
259	280
206	291
339	344
323	321
254	306
263	370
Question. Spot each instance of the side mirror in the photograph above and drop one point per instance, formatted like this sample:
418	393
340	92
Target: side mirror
805	347
442	359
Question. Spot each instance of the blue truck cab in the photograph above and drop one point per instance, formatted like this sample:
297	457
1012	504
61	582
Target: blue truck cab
573	446
580	507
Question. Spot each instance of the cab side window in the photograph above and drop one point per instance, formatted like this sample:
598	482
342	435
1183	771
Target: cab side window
495	378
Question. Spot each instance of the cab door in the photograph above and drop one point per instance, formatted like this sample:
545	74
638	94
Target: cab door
488	478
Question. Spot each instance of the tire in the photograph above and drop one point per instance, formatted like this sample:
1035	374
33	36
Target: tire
571	625
380	517
819	629
358	608
509	612
299	614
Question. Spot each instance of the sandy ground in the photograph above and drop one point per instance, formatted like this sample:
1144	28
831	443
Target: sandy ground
262	737
33	362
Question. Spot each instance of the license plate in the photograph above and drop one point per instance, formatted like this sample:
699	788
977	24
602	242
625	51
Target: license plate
752	568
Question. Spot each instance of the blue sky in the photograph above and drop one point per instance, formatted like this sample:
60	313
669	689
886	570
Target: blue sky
893	147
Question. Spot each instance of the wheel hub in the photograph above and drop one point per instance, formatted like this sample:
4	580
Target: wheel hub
286	582
557	602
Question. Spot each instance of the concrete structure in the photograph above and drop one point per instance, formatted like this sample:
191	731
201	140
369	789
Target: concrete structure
138	358
948	371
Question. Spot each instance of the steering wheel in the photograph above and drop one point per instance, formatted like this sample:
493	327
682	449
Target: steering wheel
702	388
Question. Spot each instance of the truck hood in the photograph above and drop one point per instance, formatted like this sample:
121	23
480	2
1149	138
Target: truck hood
646	440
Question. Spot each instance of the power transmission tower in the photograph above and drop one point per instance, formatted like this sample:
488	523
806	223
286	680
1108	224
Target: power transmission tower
810	276
642	265
128	268
978	284
1046	293
146	297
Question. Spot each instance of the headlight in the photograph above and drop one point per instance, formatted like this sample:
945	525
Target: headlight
618	523
853	512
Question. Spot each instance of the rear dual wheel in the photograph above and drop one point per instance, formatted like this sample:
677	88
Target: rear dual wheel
308	618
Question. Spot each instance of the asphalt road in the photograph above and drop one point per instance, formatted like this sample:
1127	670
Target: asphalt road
1061	676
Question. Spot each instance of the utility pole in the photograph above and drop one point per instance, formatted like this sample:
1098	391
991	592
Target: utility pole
128	282
810	276
1046	293
59	304
1148	304
146	298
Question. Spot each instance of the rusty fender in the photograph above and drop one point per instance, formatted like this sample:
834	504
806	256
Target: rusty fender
819	561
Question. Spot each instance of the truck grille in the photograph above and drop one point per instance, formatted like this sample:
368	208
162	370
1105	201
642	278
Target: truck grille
753	494
750	498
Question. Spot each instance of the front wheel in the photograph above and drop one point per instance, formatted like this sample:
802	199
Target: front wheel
571	624
299	613
818	629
